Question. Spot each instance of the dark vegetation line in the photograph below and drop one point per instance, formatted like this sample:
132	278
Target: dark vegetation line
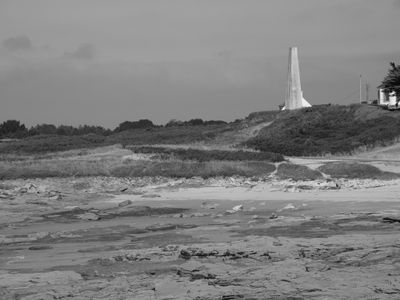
15	129
144	136
49	138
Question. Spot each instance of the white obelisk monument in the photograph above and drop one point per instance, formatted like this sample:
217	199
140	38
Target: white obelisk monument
294	95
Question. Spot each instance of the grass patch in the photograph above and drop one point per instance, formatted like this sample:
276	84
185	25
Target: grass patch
140	168
189	169
53	168
297	172
209	155
356	171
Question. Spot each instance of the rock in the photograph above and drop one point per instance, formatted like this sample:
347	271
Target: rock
6	196
40	247
235	209
185	254
71	207
56	197
305	187
287	207
125	203
177	216
390	220
88	217
228	253
273	216
161	227
23	190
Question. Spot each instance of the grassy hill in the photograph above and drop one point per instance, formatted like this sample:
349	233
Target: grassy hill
328	129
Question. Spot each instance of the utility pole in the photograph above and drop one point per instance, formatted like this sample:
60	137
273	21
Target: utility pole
360	88
367	91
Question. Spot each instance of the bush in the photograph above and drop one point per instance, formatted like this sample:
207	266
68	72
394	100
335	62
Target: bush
12	128
127	125
355	170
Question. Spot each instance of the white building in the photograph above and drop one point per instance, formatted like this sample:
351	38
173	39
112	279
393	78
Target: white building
387	98
294	95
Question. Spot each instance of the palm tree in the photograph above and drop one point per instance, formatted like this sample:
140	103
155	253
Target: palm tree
391	82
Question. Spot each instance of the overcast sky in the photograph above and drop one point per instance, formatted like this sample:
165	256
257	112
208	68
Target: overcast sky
105	61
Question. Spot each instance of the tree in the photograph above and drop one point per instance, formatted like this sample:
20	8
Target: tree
391	82
43	129
173	123
195	122
141	124
12	128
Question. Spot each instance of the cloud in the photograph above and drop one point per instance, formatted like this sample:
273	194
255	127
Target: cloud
17	43
84	52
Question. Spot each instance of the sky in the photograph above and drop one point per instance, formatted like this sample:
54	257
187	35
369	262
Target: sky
101	62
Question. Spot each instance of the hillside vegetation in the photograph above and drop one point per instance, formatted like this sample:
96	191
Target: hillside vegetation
328	129
318	130
163	135
218	134
208	155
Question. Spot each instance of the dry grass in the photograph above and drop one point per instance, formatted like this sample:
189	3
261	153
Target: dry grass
208	155
109	166
52	168
188	169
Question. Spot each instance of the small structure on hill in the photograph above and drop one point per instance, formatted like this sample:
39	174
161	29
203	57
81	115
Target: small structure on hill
388	98
294	95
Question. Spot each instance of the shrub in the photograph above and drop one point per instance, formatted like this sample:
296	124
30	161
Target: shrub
355	170
144	123
12	128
